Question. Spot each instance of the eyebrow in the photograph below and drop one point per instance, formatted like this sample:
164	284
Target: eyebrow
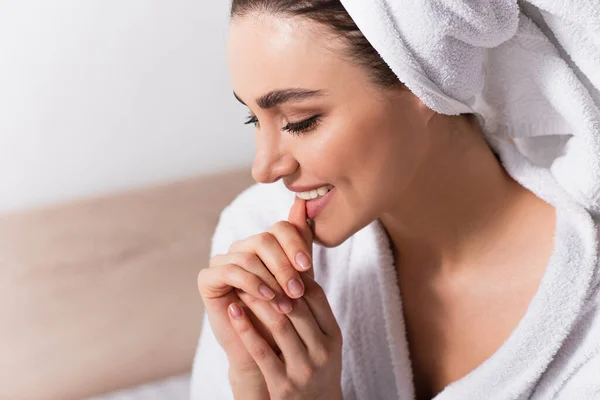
280	96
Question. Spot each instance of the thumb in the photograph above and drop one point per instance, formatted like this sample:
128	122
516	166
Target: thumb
298	218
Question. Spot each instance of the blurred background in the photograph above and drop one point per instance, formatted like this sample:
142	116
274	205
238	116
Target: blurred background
98	96
120	143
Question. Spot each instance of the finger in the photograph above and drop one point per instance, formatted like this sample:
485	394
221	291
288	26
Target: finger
298	218
317	300
307	327
269	363
252	263
268	249
293	244
227	338
320	308
282	328
218	281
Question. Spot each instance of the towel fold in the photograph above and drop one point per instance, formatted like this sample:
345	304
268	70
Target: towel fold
529	71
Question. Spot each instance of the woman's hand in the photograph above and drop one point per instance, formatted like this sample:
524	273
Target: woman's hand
270	259
309	337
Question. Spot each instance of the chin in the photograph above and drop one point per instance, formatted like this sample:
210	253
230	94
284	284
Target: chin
331	233
326	238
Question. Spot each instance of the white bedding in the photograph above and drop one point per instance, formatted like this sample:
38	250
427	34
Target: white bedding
174	388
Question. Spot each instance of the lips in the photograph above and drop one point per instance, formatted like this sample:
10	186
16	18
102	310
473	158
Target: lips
315	207
306	188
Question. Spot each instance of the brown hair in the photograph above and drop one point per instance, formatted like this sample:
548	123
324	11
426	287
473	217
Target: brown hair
332	14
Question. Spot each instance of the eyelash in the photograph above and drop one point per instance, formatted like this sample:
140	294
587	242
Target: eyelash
294	128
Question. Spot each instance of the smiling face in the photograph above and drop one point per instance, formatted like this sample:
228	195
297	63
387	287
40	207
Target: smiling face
366	141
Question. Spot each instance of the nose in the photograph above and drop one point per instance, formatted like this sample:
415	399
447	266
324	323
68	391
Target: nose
271	160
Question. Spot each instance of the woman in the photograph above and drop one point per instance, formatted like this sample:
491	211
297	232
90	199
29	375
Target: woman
432	269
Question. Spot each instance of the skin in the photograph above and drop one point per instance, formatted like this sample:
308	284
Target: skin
461	228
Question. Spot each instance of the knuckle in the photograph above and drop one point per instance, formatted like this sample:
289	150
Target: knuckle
244	328
286	391
250	301
280	226
318	293
246	259
249	280
264	239
238	369
283	273
306	374
259	352
246	298
281	326
229	270
321	356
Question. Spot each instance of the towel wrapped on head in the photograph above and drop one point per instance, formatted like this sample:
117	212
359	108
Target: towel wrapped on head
529	71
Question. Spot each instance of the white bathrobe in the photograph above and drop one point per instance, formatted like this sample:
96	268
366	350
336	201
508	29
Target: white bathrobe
553	353
530	71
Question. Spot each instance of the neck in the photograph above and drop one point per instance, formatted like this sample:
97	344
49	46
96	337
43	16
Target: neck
457	211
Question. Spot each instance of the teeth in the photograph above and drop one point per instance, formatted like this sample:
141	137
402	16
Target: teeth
315	193
322	190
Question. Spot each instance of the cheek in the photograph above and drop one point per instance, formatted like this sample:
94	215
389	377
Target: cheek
363	163
374	157
384	161
353	163
328	156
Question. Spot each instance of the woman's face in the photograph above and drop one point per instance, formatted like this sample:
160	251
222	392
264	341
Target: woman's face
367	142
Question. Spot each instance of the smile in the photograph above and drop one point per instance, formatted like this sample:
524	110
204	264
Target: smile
315	206
315	193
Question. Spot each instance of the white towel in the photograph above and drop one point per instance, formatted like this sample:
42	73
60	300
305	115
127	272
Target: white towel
529	71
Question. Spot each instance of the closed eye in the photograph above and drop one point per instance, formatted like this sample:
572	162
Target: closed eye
294	128
252	120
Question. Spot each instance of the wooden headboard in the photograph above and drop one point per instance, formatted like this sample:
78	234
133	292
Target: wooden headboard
101	294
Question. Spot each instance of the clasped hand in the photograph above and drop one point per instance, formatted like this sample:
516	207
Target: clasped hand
274	353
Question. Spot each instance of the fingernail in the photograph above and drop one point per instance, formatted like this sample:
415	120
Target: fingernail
235	310
303	261
266	291
284	304
295	287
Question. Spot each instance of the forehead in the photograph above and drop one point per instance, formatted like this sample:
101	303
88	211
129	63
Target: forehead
266	52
